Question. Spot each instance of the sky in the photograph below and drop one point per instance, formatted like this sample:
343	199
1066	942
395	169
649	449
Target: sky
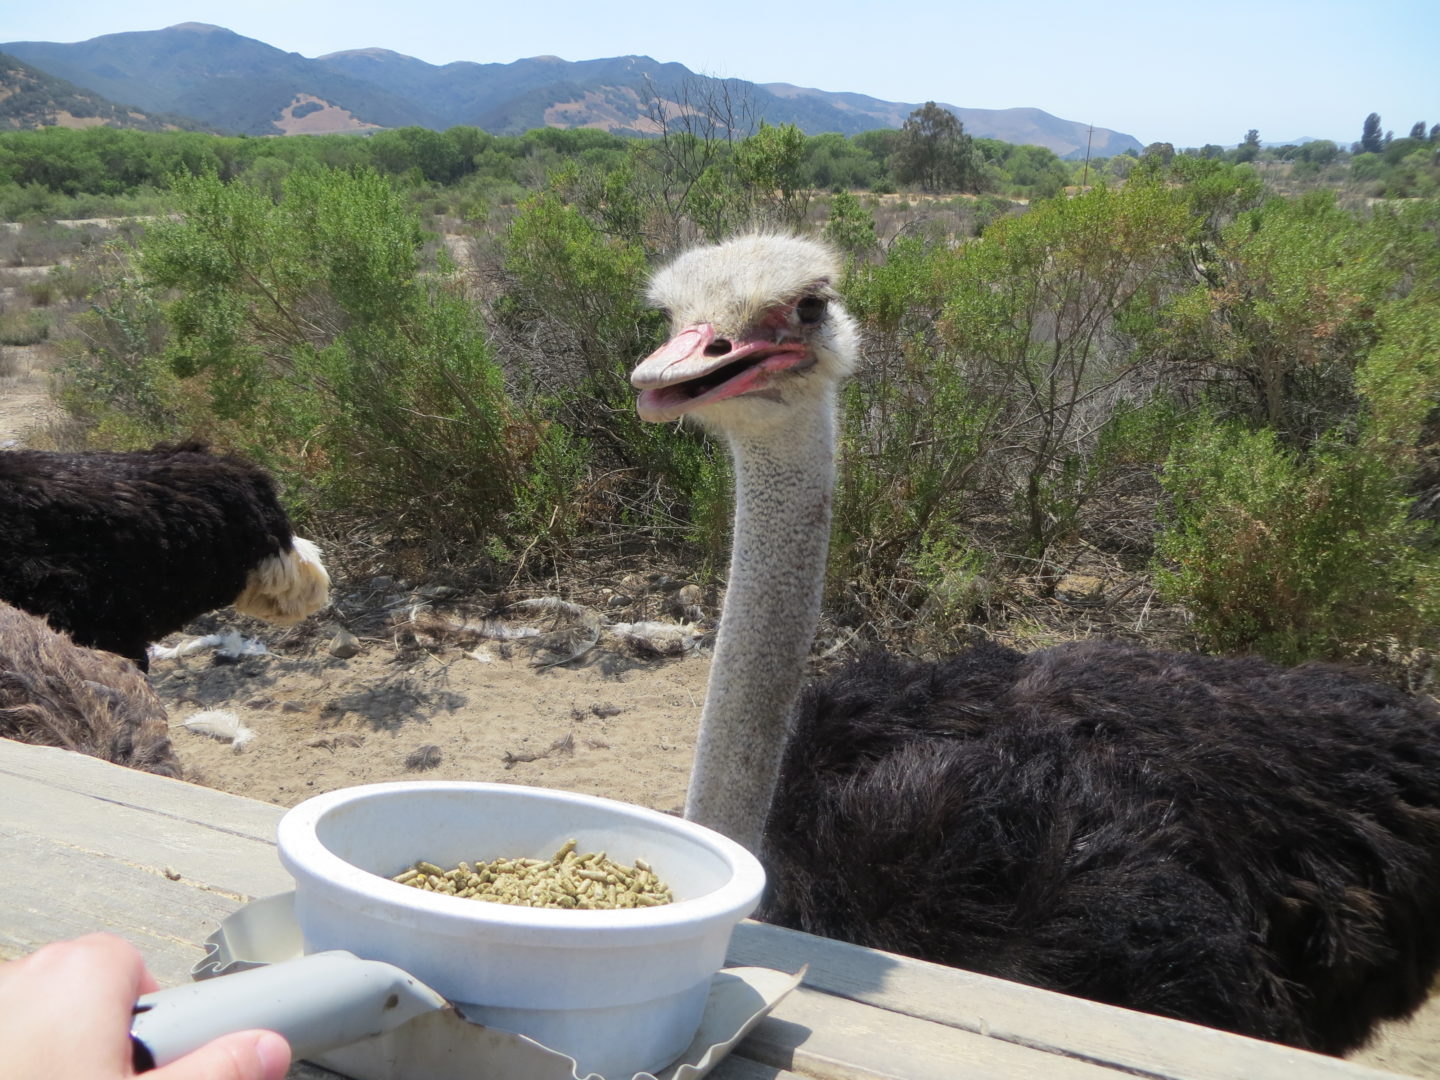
1184	73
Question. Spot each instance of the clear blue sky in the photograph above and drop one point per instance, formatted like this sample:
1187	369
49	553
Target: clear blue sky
1186	73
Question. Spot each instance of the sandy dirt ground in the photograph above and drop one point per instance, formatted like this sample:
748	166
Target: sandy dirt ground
404	679
24	393
445	691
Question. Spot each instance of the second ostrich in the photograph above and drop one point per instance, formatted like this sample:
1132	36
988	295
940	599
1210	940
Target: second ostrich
56	693
1217	840
120	549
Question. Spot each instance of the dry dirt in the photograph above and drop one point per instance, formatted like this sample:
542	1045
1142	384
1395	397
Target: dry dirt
443	690
24	394
443	687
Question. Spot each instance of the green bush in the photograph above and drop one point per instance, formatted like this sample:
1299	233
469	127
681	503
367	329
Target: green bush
850	227
41	293
573	323
1293	556
1302	547
307	333
112	376
23	328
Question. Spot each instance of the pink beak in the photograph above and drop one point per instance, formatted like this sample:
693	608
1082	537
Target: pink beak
664	377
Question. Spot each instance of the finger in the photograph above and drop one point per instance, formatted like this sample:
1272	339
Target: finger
100	966
244	1055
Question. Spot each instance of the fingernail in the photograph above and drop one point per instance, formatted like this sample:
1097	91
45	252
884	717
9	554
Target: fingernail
273	1052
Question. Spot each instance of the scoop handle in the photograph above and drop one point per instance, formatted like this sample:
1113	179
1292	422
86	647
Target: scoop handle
318	1002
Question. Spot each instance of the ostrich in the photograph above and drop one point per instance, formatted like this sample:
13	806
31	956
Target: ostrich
1216	840
56	693
120	549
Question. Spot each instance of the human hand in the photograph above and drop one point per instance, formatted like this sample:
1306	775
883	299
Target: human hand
65	1015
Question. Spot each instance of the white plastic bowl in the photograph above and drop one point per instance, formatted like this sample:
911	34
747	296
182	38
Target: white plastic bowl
620	991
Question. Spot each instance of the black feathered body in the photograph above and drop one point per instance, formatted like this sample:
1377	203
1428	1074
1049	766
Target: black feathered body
120	549
1217	840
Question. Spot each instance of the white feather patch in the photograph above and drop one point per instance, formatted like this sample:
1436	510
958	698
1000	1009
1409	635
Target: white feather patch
220	724
230	644
287	586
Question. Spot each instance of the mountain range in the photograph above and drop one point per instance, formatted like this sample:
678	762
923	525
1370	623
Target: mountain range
236	84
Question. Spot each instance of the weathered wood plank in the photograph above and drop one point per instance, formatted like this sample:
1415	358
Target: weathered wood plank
832	1038
1133	1042
736	1067
733	1067
85	845
64	770
222	842
167	920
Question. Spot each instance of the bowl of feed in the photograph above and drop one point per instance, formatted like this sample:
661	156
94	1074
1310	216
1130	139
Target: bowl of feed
590	925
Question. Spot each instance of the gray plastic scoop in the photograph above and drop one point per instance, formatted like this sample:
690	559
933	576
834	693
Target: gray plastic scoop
318	1002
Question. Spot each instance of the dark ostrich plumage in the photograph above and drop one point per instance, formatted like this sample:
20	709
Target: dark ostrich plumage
1218	840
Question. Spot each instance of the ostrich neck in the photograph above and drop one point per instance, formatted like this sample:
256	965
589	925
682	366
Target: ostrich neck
783	486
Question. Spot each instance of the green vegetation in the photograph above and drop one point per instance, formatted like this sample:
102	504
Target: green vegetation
301	332
1294	526
1208	377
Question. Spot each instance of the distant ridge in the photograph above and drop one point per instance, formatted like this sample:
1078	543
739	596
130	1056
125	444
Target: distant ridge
1028	126
238	84
29	98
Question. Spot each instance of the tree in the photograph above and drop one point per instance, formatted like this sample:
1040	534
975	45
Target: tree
696	123
1249	150
850	227
768	166
1159	153
1319	151
1418	131
834	162
935	152
1371	140
879	143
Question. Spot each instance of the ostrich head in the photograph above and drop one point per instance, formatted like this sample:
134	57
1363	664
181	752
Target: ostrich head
757	331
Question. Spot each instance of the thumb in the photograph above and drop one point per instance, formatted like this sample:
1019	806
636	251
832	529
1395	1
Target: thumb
243	1055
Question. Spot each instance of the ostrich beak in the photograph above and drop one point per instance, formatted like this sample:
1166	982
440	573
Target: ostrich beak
696	368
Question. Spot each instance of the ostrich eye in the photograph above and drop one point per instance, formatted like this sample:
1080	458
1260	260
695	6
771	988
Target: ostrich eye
811	309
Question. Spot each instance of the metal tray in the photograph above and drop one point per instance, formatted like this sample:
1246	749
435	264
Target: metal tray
440	1044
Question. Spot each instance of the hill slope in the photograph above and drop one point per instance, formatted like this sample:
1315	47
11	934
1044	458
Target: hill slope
29	98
